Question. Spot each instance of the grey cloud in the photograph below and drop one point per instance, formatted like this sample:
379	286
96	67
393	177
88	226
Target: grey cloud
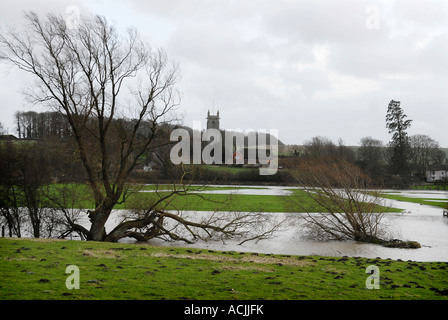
308	67
320	21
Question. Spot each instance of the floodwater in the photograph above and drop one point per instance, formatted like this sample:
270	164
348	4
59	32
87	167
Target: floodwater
421	223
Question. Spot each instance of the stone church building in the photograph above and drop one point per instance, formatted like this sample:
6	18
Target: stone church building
213	121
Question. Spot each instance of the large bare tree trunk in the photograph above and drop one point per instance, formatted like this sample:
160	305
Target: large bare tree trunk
97	230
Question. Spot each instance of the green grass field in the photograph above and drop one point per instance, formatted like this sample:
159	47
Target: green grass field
251	203
36	269
198	201
219	202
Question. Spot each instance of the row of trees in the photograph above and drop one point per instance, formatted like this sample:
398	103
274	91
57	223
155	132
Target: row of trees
41	125
402	161
21	178
29	199
378	161
410	159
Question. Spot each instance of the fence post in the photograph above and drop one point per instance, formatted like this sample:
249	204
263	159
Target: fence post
3	231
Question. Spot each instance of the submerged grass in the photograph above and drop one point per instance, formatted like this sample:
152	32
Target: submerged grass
36	269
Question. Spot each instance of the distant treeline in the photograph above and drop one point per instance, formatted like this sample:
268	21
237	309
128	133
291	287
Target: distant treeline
41	125
54	125
376	158
373	156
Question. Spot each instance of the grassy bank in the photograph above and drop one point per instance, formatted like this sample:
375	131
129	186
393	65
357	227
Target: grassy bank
435	202
36	269
430	187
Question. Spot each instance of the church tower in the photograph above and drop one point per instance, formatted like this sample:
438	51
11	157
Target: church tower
213	121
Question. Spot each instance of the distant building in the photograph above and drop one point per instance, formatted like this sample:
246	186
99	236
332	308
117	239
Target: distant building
8	137
437	173
212	121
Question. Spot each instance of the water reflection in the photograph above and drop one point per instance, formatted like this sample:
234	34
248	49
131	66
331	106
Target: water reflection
431	232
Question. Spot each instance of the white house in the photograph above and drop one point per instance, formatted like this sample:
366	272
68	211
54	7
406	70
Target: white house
436	173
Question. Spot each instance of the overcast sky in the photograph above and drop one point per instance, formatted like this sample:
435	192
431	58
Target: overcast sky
307	68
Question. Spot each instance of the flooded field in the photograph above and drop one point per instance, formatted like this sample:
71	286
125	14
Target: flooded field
421	223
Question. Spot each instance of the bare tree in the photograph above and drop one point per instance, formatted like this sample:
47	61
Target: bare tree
10	195
82	73
319	147
423	152
92	75
24	171
345	205
371	158
33	175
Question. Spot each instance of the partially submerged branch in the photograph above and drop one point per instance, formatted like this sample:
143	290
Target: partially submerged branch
158	217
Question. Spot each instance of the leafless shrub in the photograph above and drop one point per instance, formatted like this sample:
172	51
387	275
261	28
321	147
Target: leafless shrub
345	204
